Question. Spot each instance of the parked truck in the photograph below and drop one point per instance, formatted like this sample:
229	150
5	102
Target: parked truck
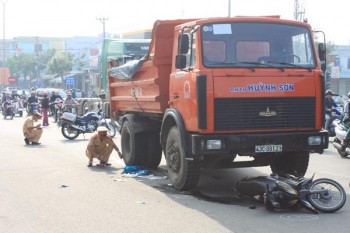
210	90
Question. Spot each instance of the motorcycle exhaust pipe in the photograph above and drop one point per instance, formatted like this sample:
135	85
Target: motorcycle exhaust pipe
337	146
347	150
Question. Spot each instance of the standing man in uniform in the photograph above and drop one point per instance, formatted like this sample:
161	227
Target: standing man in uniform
100	146
32	133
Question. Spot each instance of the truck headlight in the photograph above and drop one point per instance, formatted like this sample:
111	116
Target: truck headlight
315	140
214	144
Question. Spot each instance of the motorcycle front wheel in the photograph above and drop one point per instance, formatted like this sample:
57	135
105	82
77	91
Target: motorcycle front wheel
69	132
331	197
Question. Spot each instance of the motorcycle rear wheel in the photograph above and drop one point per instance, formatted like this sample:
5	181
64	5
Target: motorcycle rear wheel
331	201
111	130
69	132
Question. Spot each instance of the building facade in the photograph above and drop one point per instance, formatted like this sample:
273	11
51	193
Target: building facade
339	63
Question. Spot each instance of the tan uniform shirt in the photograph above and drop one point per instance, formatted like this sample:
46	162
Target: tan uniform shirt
99	145
29	122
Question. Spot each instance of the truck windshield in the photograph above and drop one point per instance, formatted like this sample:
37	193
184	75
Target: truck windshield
257	45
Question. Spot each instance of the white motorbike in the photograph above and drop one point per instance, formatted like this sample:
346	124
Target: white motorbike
18	106
340	142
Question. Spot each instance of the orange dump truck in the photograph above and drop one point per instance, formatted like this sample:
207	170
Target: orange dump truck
210	90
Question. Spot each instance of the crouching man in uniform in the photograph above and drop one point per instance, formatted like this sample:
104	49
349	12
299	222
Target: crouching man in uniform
100	146
32	134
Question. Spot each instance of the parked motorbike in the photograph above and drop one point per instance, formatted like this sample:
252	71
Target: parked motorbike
112	131
18	106
285	191
7	109
340	142
337	116
72	125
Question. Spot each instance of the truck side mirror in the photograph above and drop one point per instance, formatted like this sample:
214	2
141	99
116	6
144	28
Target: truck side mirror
322	51
181	61
184	43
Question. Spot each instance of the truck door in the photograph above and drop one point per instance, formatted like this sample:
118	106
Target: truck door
183	80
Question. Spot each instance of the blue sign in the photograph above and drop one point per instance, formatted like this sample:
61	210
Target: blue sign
70	81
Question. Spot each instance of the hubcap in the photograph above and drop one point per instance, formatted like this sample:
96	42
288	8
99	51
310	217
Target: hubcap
173	158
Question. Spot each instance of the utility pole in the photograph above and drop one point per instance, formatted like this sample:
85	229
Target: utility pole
103	21
298	13
3	33
229	8
103	84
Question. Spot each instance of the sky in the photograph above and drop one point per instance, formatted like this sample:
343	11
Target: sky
68	18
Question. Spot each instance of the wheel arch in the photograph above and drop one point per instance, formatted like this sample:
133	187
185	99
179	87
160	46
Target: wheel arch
141	124
173	117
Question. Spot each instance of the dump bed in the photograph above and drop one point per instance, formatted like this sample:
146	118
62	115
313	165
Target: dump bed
148	90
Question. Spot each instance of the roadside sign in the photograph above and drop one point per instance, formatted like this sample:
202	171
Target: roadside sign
11	79
70	81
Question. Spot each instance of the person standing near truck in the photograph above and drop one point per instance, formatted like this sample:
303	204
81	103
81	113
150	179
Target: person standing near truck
329	104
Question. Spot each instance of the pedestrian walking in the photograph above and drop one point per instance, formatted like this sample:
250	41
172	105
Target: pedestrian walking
45	106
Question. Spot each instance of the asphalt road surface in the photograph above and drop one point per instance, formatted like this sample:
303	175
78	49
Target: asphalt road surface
49	188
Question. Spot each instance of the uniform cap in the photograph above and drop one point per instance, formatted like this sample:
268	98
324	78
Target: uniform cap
37	114
102	129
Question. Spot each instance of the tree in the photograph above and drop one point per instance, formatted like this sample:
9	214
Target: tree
61	64
22	64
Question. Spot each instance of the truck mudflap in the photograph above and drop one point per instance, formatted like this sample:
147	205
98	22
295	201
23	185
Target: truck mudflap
254	144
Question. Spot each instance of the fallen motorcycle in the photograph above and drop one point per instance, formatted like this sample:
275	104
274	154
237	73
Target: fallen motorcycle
285	191
72	125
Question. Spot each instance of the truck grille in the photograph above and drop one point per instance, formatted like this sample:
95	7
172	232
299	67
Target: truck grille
255	113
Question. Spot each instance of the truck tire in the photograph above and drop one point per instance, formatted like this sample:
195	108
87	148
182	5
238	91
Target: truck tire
291	162
154	150
85	107
183	173
133	145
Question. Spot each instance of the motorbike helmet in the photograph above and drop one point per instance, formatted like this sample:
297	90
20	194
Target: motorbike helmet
329	92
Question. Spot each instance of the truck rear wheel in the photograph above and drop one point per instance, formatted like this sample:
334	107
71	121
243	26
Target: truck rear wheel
291	162
183	173
133	145
154	150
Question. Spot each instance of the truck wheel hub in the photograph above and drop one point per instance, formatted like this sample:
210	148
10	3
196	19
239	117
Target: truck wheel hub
173	158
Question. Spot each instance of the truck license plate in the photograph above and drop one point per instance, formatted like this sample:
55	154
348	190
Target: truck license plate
268	148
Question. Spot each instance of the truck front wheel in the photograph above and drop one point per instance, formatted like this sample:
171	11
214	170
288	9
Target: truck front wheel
291	162
183	173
